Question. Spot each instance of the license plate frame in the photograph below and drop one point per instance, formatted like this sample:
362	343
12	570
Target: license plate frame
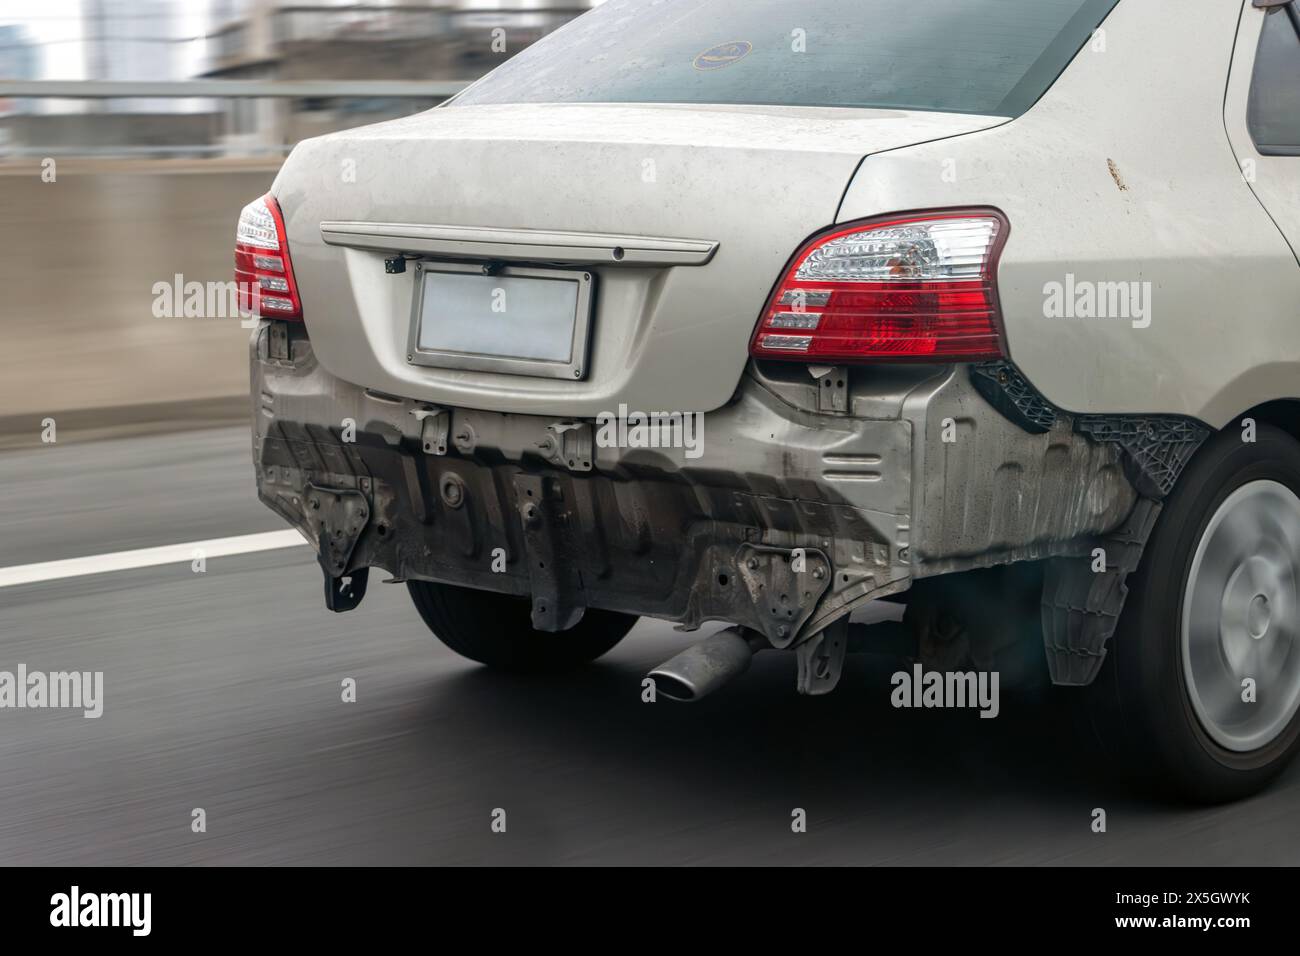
572	368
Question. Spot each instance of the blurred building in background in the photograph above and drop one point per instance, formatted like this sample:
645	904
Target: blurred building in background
120	40
433	40
20	59
132	40
166	42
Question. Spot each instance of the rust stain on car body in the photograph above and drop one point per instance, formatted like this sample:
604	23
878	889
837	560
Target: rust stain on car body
1114	174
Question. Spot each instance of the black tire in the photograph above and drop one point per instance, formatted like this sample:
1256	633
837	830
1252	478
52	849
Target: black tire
1140	707
496	629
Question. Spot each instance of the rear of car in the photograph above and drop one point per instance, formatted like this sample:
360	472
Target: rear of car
716	312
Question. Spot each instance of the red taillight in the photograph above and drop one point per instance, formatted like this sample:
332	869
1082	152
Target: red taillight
920	287
262	267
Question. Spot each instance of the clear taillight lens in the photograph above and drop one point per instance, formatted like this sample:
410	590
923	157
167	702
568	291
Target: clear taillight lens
911	288
262	266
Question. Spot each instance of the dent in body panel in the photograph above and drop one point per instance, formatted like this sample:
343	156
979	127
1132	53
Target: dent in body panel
997	493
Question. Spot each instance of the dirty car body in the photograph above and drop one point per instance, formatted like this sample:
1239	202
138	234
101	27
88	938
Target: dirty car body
829	243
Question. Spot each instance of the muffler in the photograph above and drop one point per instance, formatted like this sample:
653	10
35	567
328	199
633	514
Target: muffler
700	670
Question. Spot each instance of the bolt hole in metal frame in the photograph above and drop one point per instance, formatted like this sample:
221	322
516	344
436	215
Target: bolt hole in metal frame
575	369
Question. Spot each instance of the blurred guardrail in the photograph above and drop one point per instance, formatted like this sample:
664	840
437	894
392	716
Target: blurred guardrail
86	243
302	108
93	230
126	89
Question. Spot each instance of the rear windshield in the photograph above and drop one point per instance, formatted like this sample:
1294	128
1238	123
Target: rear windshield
992	57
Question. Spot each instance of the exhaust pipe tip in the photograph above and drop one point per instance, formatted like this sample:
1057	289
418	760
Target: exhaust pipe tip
672	686
700	670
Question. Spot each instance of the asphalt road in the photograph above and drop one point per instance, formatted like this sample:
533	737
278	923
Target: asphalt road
223	692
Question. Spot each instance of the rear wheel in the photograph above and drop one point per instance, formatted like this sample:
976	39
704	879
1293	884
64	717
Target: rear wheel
496	629
1200	693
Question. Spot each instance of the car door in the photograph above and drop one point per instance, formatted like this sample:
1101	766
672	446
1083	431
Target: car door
1262	111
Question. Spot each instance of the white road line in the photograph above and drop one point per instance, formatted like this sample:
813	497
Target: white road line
148	557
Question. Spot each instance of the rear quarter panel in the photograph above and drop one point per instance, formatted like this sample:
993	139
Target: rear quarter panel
1124	172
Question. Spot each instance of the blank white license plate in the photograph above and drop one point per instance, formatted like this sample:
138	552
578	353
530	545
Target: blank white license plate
520	321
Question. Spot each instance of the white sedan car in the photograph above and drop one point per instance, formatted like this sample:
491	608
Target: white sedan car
760	311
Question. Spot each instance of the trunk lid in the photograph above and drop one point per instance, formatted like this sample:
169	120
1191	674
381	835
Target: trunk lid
685	215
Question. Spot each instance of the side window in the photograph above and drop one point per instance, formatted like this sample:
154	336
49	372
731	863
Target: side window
1274	109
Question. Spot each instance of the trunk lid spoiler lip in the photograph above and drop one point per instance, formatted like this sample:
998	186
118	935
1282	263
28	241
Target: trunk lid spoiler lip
519	245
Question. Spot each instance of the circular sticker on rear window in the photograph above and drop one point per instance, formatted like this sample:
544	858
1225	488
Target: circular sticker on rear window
724	54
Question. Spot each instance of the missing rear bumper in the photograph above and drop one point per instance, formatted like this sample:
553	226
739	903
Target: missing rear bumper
786	521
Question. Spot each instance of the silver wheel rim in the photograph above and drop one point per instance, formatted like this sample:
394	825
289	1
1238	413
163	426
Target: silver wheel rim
1240	617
